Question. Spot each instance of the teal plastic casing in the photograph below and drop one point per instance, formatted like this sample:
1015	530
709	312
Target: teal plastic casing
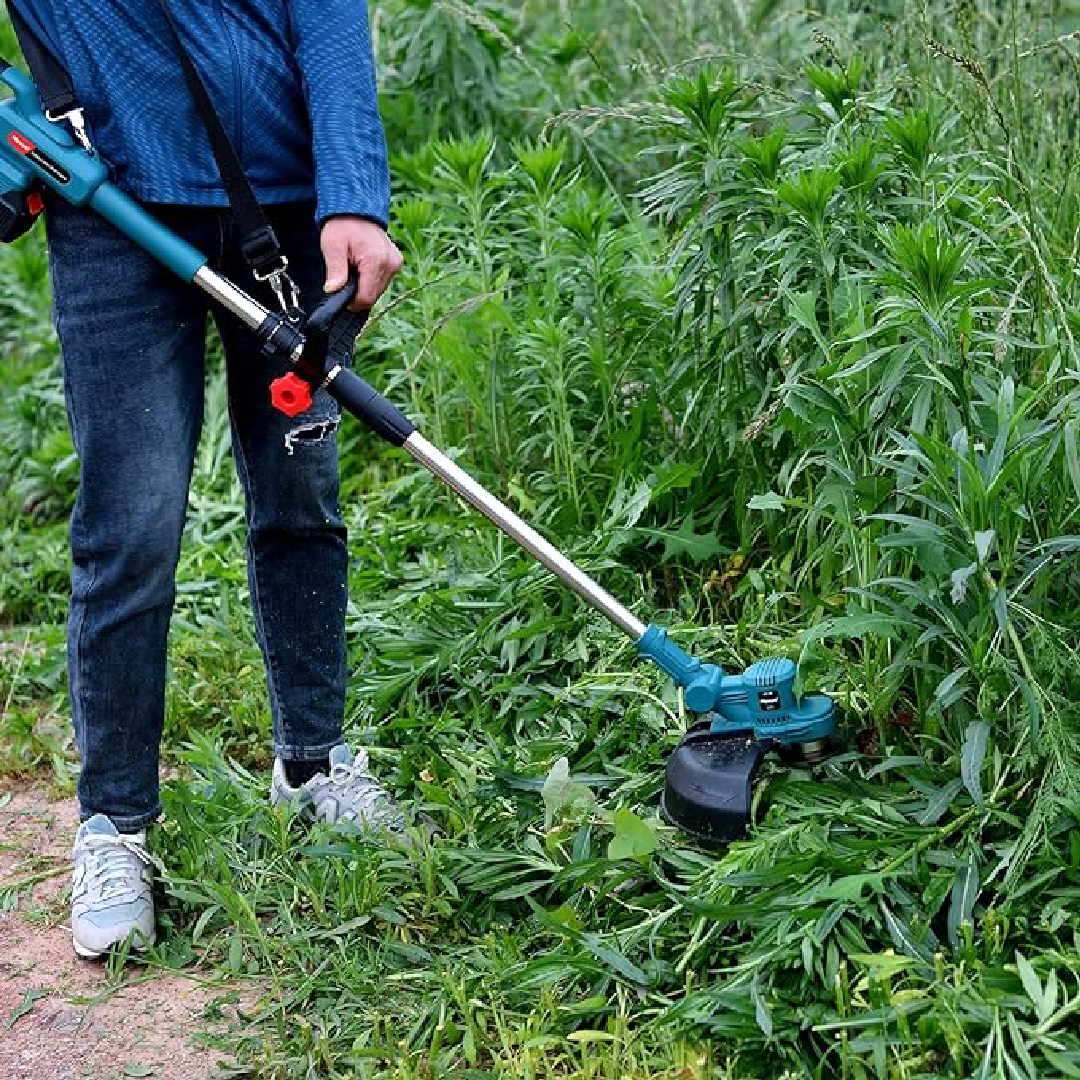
760	701
34	149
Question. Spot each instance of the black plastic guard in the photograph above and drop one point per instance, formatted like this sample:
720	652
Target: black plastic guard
708	789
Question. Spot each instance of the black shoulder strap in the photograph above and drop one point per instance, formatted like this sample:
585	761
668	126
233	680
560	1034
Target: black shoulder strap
50	77
257	240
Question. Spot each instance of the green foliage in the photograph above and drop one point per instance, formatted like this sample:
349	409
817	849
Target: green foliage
780	344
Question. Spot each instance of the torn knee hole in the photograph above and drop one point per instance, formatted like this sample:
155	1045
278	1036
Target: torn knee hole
315	432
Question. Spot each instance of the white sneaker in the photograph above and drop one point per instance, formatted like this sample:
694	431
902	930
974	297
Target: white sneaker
350	795
111	897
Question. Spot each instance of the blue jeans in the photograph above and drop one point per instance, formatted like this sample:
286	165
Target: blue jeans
133	343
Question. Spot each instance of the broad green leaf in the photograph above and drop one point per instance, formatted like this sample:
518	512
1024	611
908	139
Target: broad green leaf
884	965
627	506
857	625
614	960
1019	1044
633	838
965	892
829	919
1072	455
236	952
1001	614
852	887
1050	994
951	687
761	1011
940	801
678	474
959	579
1030	980
565	915
769	501
560	792
983	540
971	758
1034	709
685	541
903	761
523	888
903	937
1061	1063
803	309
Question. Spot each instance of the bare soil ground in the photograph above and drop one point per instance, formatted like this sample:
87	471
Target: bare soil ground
62	1018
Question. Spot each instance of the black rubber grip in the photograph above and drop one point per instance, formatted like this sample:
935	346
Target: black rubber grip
359	397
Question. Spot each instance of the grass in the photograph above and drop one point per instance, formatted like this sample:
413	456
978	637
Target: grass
769	316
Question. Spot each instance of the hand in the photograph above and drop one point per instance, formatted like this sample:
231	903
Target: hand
354	241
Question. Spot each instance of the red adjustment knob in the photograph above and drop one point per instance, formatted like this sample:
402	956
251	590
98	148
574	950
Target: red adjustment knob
290	394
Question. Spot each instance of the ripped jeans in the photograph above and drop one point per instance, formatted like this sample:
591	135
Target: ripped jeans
133	343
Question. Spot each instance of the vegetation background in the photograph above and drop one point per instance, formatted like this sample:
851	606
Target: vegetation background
767	313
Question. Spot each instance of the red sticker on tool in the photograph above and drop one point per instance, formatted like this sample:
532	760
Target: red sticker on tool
21	143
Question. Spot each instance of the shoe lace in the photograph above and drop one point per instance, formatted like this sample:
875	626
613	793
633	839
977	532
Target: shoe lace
114	868
362	794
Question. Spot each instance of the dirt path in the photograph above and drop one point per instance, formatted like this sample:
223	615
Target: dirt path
58	1020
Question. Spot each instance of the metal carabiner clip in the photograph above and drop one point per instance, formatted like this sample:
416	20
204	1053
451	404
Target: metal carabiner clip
283	286
78	125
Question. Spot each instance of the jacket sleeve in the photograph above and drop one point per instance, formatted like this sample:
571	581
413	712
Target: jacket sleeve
334	54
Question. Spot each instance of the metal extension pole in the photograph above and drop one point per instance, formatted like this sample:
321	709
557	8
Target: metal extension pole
478	497
252	313
248	310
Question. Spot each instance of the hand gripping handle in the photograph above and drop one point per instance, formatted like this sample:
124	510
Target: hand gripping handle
330	334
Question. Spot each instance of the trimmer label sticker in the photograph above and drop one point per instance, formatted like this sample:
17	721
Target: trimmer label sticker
33	154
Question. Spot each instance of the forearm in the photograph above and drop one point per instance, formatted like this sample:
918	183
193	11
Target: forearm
334	54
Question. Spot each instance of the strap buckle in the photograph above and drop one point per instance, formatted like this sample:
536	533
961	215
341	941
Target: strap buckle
283	286
75	118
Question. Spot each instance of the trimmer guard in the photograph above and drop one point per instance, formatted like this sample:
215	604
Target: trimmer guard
708	789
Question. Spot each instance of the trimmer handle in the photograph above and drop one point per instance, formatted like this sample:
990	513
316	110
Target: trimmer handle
27	100
329	336
359	397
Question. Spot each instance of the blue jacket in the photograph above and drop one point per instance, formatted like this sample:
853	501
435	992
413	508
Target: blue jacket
293	82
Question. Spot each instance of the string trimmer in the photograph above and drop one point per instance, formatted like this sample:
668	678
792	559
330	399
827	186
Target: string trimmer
709	777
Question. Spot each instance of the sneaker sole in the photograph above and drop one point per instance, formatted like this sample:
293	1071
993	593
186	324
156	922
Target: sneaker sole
140	944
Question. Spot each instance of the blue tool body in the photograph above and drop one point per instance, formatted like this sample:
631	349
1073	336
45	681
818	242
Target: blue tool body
34	150
759	702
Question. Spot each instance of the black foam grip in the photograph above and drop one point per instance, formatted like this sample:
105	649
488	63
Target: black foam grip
359	397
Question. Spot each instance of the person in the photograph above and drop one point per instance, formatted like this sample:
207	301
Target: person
294	83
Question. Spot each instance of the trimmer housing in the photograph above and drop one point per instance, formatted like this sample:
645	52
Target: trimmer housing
760	701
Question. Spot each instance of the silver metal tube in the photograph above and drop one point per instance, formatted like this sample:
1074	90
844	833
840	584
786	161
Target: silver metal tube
253	314
478	497
247	310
